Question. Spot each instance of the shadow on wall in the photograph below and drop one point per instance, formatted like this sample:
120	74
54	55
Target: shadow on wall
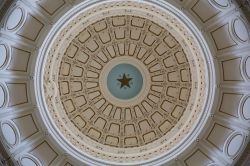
245	6
4	6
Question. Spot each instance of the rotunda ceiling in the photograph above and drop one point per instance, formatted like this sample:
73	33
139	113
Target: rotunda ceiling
120	83
124	82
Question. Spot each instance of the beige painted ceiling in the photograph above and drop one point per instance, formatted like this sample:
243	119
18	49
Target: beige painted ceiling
193	110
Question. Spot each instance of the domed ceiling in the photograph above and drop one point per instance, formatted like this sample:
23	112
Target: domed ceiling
124	83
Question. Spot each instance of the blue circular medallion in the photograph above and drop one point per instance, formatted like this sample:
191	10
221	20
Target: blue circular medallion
124	81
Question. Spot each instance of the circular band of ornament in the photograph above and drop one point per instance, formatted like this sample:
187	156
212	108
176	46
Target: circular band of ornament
158	108
167	115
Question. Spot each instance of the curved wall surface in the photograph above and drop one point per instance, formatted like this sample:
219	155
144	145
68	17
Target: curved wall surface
33	32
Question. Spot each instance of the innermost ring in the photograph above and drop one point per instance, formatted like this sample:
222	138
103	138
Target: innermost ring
124	81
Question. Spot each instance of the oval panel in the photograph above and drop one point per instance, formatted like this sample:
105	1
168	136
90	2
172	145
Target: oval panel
9	133
222	3
3	55
26	161
2	97
240	30
15	18
234	145
246	108
248	67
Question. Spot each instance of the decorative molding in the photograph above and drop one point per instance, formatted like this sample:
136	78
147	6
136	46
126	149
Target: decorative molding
107	28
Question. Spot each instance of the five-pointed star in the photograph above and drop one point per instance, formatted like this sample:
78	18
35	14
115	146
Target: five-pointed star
124	81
